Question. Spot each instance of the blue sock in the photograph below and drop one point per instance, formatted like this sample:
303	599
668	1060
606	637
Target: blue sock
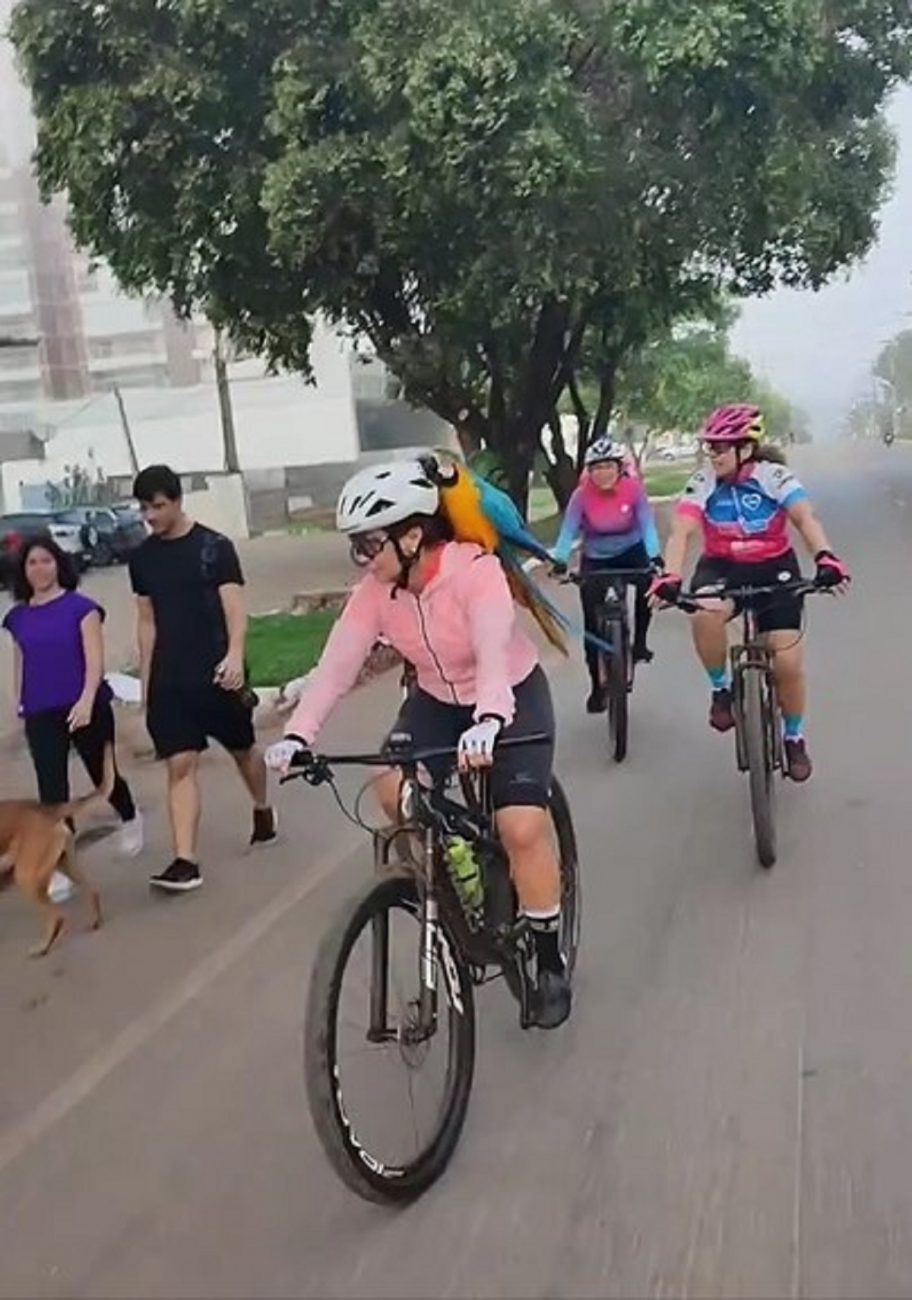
794	726
718	677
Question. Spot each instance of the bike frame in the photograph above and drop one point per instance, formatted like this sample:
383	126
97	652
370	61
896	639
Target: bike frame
426	812
753	656
615	606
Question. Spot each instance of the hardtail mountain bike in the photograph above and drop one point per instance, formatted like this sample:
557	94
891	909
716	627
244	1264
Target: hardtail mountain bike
758	728
616	666
389	1039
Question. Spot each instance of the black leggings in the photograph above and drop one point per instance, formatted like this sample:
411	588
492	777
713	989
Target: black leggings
49	739
592	595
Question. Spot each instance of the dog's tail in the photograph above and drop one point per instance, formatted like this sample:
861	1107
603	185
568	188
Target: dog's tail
103	793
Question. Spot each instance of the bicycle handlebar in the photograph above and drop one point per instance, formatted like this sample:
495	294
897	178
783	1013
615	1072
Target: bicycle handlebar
580	578
692	602
317	768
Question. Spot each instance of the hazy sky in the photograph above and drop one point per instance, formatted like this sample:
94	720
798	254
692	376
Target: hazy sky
817	348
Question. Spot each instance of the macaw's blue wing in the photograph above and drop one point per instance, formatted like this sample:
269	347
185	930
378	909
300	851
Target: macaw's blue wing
504	515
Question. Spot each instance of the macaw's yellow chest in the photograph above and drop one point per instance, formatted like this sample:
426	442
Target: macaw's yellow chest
462	503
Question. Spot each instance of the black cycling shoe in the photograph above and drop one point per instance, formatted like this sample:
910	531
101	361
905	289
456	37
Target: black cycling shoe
798	765
721	712
642	654
597	701
553	999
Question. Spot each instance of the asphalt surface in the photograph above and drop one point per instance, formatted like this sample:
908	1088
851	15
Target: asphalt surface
729	1113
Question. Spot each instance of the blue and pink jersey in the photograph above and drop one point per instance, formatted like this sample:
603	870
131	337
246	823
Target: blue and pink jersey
609	523
746	520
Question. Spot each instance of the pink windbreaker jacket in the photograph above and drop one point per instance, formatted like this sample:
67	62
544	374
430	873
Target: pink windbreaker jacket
461	635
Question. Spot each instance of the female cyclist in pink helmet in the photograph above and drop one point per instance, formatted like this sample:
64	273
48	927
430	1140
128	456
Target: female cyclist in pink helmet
743	503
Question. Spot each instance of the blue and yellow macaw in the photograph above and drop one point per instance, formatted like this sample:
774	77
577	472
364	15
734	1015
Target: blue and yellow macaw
481	513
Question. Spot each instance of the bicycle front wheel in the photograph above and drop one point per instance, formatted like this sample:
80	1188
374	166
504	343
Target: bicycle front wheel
617	686
757	729
388	1074
568	857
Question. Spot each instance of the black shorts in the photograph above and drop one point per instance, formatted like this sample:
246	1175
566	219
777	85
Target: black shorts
780	613
521	775
182	719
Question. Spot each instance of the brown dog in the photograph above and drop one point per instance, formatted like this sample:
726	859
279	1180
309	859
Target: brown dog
36	840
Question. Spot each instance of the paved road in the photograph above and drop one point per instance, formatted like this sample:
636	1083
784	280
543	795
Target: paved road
728	1114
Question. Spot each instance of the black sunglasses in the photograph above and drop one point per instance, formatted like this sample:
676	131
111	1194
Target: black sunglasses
366	547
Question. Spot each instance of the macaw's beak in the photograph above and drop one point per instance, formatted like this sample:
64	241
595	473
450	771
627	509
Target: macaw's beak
441	473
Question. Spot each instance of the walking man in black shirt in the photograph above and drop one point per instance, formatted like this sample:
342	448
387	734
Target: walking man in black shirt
192	626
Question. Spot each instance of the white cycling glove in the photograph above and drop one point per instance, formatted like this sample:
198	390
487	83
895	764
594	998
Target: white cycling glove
280	755
476	746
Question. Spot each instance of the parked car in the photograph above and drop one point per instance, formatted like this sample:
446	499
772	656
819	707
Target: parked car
109	533
17	528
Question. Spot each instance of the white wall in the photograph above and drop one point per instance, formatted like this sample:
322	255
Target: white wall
223	506
279	421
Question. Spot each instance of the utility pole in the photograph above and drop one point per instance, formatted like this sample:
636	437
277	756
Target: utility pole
128	433
232	460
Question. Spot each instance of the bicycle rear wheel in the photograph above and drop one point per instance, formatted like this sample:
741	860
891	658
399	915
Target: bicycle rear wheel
617	669
362	1029
757	724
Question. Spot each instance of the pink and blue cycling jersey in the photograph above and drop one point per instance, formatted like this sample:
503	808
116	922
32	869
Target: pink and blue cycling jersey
610	522
746	520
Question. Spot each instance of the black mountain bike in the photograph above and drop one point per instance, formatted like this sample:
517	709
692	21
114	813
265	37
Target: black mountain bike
758	729
394	977
616	669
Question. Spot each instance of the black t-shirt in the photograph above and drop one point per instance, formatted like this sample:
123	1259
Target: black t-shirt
182	578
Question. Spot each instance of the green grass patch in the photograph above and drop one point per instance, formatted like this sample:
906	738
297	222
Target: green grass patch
541	503
281	647
667	480
546	530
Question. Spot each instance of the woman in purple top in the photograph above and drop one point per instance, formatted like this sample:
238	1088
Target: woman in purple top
59	679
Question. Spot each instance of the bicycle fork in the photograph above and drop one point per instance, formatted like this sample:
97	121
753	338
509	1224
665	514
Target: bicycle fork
434	954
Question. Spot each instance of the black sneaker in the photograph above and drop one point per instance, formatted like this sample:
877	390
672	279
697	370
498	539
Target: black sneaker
179	878
597	701
553	999
265	827
798	765
721	711
642	654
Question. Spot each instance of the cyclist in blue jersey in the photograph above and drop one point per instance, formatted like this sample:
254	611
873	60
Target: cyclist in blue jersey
743	504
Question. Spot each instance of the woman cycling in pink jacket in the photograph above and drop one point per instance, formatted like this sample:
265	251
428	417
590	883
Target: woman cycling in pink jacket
446	608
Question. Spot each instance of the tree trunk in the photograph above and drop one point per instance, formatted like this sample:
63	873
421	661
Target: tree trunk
607	382
232	460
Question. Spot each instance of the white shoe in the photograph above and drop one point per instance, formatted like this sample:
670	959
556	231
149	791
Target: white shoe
61	888
131	839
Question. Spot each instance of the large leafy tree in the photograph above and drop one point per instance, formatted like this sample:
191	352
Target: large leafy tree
488	192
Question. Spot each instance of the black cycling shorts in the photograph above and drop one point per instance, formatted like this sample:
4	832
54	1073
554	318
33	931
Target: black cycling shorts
182	719
521	775
779	613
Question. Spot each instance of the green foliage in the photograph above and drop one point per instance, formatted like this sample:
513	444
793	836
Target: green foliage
493	194
673	383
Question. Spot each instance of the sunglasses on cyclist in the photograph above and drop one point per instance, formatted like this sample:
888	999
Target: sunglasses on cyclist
366	547
720	448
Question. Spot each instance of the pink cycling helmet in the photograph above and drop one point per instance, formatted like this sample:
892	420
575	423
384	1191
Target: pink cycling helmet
732	423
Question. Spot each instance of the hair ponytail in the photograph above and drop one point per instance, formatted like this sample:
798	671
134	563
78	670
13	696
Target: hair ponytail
768	451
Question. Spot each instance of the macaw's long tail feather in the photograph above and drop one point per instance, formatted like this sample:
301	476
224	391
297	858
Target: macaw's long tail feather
524	594
553	622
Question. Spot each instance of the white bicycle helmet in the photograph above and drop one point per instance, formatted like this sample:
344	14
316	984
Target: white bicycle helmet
606	449
383	495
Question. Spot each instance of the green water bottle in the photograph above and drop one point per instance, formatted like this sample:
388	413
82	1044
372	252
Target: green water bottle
465	872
